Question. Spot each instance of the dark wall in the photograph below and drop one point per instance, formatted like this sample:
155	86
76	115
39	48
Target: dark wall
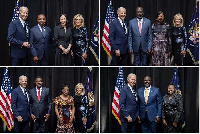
161	78
54	78
52	10
151	7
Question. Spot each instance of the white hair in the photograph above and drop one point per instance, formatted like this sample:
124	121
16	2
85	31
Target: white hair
120	9
23	7
130	75
22	76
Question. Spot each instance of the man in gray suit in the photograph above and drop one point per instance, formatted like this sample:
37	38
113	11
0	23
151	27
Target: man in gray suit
40	106
140	37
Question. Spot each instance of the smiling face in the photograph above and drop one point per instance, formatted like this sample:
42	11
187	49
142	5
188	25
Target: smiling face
65	91
38	82
63	20
79	90
147	81
139	12
78	21
41	20
23	14
160	18
23	82
178	21
132	80
171	89
122	13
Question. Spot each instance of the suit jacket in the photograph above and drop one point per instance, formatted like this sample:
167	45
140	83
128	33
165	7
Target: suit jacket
20	104
154	103
134	37
128	104
117	37
42	107
16	37
39	42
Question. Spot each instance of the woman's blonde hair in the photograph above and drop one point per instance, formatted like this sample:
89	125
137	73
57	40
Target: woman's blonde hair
178	15
82	20
81	86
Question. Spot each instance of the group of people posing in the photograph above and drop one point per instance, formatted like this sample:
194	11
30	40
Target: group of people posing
147	107
71	43
141	39
36	104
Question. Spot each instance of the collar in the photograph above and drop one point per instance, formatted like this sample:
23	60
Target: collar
22	88
130	87
22	21
41	27
148	87
37	88
121	21
140	20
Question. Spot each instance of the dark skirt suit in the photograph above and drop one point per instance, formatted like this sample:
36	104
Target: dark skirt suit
62	38
80	44
172	112
81	111
179	42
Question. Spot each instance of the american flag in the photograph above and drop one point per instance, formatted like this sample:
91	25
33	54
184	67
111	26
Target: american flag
15	14
16	10
5	103
175	81
110	16
193	35
120	83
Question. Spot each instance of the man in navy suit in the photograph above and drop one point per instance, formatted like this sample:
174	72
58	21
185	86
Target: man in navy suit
18	35
20	106
40	38
40	106
128	104
140	38
118	37
150	101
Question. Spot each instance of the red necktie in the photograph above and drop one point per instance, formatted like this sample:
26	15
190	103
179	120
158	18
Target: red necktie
140	27
38	94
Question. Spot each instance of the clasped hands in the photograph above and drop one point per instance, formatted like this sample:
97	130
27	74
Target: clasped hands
46	117
165	123
26	44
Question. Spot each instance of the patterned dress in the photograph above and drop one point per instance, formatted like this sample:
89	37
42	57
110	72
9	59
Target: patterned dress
161	45
172	112
64	110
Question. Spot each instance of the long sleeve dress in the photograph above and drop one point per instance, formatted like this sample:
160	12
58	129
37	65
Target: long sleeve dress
172	112
161	45
62	38
81	110
179	42
80	44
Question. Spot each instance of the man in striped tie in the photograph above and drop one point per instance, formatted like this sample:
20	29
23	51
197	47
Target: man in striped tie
128	104
20	106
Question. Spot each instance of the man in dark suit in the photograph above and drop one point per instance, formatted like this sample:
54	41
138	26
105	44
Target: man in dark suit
20	106
128	104
118	37
18	35
150	101
40	38
140	37
40	106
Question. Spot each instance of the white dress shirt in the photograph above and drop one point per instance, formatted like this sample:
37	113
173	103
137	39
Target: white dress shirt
122	24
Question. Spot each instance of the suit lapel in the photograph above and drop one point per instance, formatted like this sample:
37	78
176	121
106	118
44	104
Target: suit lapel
38	29
136	26
122	29
143	25
42	94
35	94
130	92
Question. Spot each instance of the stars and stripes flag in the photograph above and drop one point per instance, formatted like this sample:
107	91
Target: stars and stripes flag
16	10
15	14
94	44
5	102
91	109
110	16
193	35
176	83
120	83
